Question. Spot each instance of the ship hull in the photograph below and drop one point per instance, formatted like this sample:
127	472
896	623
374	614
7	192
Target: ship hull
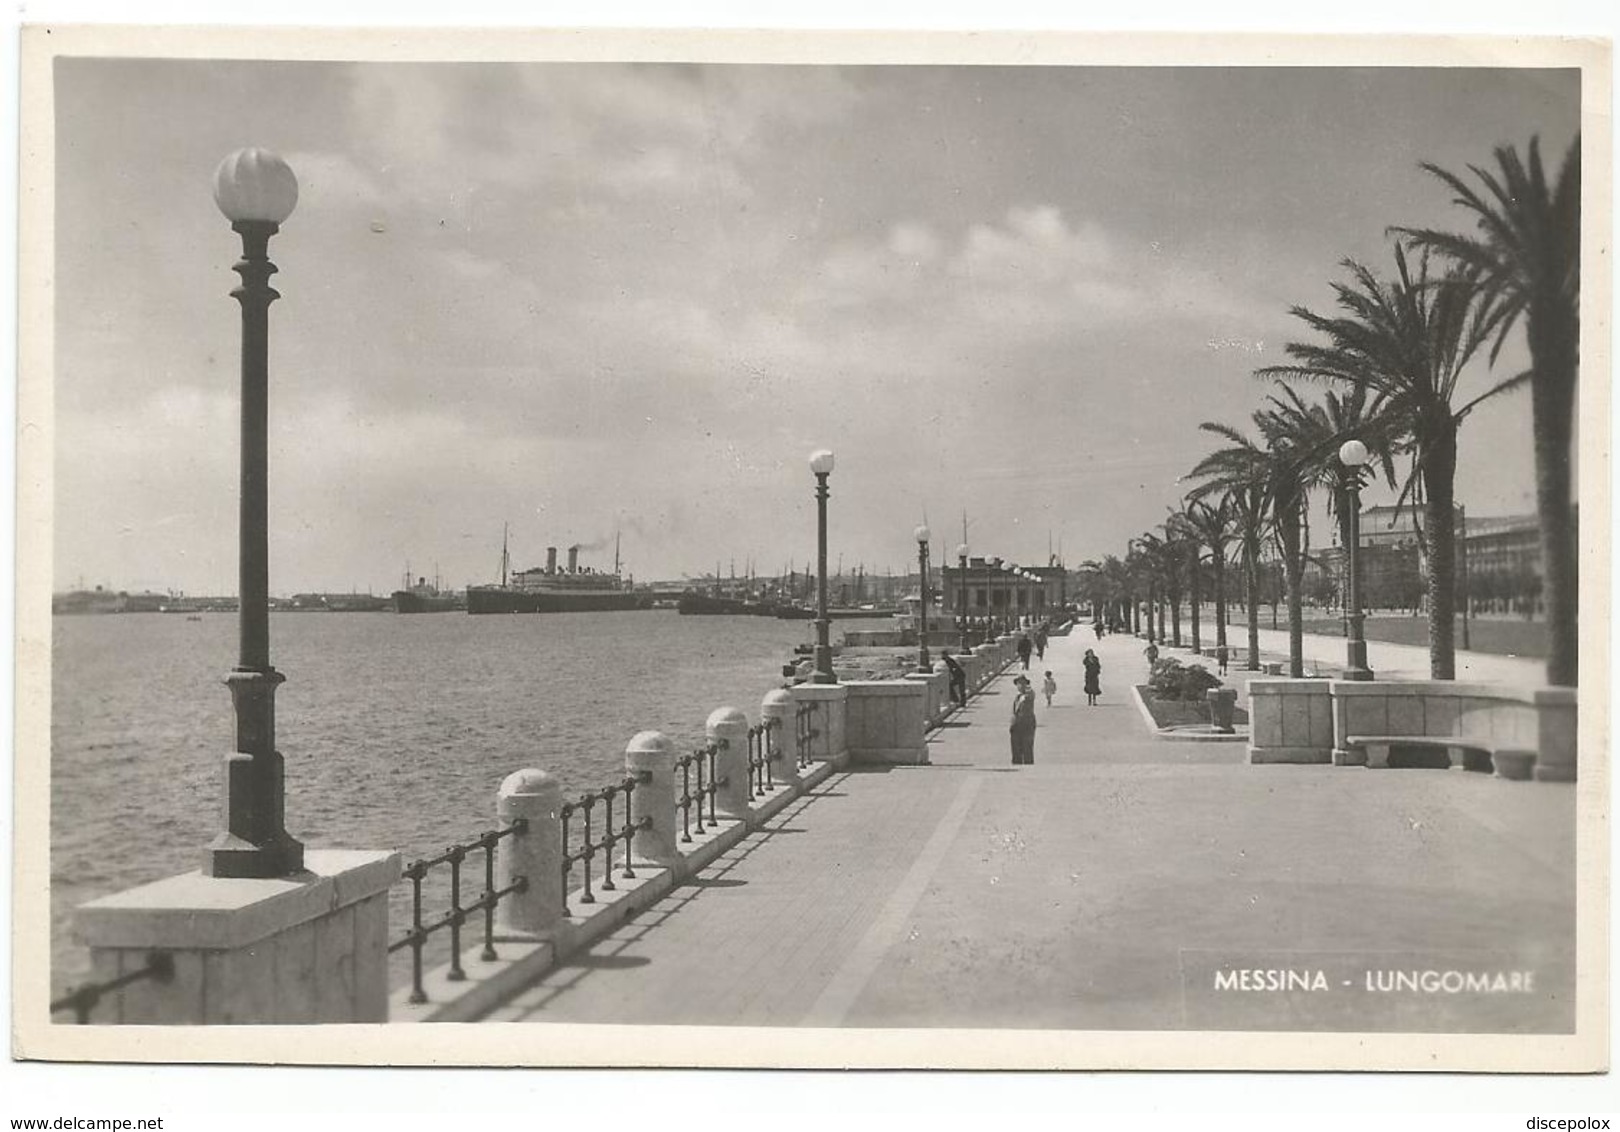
495	599
711	605
407	602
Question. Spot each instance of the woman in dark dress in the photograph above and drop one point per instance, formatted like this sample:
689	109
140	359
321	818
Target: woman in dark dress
1093	677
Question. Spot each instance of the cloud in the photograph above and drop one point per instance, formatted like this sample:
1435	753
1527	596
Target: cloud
1032	246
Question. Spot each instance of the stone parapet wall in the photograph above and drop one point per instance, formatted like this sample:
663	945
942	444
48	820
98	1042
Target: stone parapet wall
300	949
1290	721
887	721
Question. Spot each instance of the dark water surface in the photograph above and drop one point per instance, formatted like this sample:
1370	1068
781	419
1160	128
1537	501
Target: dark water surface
397	730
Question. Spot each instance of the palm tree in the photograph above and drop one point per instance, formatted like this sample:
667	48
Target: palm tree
1321	427
1313	432
1114	581
1407	342
1150	548
1526	258
1139	577
1179	527
1169	557
1210	525
1286	491
1238	476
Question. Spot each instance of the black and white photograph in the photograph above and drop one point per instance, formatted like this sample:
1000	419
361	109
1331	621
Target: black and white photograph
975	552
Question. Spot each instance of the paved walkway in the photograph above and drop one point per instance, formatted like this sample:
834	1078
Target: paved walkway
1386	659
1120	882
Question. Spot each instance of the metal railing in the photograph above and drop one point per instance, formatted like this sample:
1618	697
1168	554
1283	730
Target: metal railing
612	835
700	765
83	999
804	740
417	871
763	750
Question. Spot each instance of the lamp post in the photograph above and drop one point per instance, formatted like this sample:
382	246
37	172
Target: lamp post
821	463
1353	456
962	591
993	568
256	191
922	534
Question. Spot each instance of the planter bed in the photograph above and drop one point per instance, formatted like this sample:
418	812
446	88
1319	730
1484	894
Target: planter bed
1183	713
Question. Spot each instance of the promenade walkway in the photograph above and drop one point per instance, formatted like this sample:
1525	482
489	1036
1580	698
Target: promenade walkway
1107	886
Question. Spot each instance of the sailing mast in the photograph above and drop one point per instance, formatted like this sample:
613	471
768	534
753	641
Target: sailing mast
505	530
615	553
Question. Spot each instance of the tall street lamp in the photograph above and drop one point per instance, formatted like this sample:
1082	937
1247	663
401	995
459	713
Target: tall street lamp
1353	456
922	534
821	463
256	191
993	568
962	591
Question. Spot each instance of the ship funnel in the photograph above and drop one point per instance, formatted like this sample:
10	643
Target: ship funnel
551	560
573	559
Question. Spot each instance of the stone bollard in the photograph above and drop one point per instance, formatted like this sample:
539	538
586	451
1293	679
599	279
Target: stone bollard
831	713
1222	701
650	759
536	854
727	728
987	656
931	704
948	701
778	705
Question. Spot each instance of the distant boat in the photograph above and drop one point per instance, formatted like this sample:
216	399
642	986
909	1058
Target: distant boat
97	600
851	612
735	603
425	597
337	603
101	600
701	604
550	589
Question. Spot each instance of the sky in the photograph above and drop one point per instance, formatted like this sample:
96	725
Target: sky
580	299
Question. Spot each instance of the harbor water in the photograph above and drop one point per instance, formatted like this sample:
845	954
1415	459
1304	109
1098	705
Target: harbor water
397	730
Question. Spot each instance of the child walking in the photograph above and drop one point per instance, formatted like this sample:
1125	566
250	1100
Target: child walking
1049	686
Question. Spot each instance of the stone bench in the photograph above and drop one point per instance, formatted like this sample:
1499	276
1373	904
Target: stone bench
1336	721
1504	760
1442	713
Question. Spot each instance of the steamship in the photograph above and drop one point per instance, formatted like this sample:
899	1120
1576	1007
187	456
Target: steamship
425	597
550	589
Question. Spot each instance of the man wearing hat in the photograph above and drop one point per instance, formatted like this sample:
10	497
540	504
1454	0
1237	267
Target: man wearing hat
1022	728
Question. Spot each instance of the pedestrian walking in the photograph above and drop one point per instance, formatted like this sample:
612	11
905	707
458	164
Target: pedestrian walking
1024	648
1152	654
1220	658
1040	644
1022	726
1093	677
1049	686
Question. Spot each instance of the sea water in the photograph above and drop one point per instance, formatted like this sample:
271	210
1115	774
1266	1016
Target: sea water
396	730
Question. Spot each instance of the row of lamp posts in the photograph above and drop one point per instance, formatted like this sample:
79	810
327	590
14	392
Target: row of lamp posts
257	192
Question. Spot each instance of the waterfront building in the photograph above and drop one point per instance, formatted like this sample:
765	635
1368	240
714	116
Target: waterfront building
995	588
1498	562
